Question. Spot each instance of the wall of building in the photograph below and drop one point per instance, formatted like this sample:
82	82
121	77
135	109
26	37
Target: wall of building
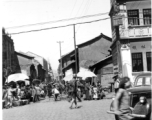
94	52
137	37
9	61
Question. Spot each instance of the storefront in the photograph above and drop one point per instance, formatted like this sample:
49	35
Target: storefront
141	56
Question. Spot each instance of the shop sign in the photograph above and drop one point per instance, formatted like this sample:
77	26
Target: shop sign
117	20
141	46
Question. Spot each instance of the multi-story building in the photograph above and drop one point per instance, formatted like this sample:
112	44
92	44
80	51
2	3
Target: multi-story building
8	59
131	35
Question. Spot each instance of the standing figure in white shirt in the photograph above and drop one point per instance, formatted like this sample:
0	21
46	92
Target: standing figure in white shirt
55	91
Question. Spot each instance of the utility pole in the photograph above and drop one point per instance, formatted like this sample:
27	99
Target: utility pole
60	55
76	64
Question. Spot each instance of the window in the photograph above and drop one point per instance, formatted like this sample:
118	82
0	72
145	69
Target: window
133	17
147	81
147	16
137	62
139	82
148	57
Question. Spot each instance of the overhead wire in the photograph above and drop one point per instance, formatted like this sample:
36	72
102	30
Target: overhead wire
70	16
69	25
36	30
73	7
84	12
63	20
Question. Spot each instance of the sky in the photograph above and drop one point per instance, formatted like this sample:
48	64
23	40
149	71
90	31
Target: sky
44	43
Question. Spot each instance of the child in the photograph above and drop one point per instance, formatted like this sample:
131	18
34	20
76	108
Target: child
95	96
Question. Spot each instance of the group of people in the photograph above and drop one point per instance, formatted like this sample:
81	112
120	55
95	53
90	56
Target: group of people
76	90
86	90
93	92
31	93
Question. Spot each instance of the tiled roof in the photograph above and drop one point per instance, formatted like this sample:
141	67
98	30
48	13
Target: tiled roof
96	38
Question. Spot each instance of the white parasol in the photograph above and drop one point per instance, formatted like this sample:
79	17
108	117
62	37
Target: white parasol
84	73
18	77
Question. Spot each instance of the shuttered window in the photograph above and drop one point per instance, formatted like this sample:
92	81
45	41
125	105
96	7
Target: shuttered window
133	17
147	16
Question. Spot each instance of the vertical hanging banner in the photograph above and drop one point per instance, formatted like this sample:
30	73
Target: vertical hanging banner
126	62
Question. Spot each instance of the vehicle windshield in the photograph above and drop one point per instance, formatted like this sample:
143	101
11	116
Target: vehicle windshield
142	81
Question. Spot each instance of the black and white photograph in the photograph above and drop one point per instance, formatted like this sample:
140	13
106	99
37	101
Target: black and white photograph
76	60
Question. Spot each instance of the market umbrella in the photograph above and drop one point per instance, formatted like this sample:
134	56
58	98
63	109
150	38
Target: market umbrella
17	77
85	73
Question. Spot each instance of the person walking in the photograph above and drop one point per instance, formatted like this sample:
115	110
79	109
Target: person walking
56	92
121	101
49	91
74	94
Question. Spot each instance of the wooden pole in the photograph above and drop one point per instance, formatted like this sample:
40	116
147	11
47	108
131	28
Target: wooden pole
60	55
76	64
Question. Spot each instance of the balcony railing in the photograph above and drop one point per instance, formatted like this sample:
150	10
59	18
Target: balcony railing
135	32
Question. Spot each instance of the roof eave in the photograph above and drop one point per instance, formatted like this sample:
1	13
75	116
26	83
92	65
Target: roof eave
100	61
